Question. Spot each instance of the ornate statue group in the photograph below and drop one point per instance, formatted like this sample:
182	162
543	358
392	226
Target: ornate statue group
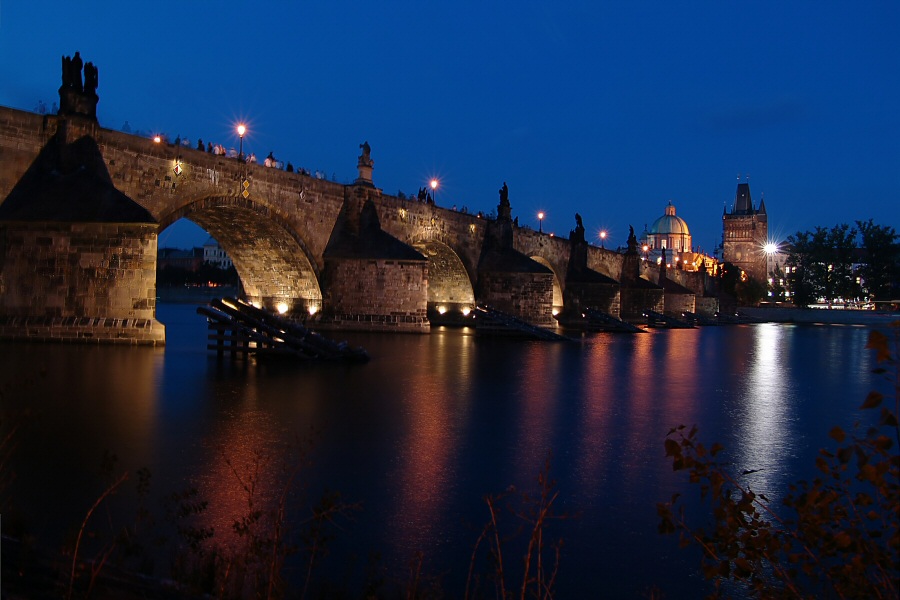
71	75
77	97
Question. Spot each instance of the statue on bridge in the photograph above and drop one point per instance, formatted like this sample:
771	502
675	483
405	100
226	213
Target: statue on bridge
577	235
364	166
90	79
366	157
504	210
75	97
632	240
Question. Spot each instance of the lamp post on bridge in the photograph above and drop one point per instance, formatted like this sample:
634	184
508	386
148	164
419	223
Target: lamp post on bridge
602	238
434	184
241	131
541	222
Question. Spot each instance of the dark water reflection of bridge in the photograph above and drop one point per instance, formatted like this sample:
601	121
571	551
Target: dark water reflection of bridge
432	423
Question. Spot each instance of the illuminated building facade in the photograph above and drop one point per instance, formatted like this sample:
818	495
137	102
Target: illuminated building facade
744	234
672	234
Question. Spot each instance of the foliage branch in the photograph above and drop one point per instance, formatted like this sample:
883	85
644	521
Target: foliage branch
837	536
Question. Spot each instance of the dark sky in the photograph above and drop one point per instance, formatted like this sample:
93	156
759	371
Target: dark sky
608	109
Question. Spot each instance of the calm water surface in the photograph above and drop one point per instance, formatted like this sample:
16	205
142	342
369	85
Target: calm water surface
419	434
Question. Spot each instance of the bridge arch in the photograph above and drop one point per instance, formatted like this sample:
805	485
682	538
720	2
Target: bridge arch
451	296
557	287
275	266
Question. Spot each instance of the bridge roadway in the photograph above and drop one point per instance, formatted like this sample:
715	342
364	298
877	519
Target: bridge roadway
276	225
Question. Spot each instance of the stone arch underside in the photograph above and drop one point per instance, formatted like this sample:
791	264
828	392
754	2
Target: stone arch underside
557	288
274	269
449	286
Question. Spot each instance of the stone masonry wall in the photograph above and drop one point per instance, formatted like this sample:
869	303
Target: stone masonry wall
676	304
604	297
636	300
382	295
22	135
528	296
80	281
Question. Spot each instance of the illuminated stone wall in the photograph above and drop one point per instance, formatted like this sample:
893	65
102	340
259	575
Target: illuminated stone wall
366	294
79	282
528	296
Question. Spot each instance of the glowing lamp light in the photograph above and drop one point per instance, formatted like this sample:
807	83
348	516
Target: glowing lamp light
282	308
241	131
256	304
770	248
555	311
313	310
441	309
466	311
157	139
541	222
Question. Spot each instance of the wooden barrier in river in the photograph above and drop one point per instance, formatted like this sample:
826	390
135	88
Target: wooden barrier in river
240	329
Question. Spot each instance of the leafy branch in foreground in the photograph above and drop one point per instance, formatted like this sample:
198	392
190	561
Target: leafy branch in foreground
839	535
533	515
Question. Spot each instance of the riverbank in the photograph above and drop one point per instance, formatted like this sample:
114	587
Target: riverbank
193	294
821	316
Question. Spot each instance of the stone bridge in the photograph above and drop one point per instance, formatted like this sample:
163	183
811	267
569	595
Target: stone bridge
343	255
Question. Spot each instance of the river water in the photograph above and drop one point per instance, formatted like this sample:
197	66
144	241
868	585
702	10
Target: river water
431	424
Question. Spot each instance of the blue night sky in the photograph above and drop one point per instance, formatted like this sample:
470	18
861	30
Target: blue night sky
608	109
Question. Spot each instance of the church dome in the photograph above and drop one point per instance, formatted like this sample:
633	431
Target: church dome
669	232
669	224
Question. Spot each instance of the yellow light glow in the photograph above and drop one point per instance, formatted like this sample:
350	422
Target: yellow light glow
602	235
157	139
241	130
256	304
555	311
442	309
313	310
541	215
434	184
466	311
282	308
646	247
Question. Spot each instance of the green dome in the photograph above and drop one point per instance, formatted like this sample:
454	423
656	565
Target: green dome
669	224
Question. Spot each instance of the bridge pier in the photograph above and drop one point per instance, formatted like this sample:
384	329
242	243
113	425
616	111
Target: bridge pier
372	281
77	257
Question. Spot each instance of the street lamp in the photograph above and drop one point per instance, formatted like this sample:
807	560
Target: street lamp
434	184
602	238
241	131
541	222
770	249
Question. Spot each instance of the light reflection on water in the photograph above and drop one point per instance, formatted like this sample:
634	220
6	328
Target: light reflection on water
434	422
765	422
